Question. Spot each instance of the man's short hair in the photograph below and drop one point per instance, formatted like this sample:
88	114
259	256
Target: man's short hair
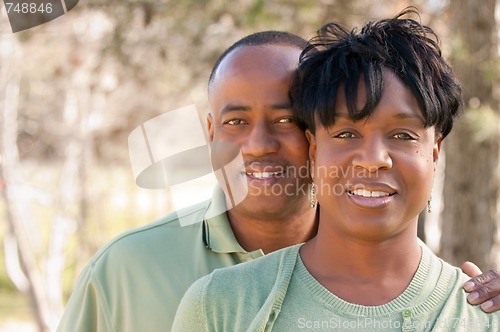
270	37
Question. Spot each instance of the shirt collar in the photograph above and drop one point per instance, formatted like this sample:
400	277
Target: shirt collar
217	232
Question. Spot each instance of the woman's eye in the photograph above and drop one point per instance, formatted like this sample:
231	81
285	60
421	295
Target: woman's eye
235	122
404	136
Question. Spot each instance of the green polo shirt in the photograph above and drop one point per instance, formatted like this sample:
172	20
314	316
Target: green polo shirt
137	280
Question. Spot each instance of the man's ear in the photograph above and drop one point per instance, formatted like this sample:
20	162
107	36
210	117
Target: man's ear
210	127
312	146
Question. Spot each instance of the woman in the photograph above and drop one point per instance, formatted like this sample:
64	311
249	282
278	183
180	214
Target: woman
376	104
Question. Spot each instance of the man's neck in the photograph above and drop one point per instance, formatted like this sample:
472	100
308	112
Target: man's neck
273	233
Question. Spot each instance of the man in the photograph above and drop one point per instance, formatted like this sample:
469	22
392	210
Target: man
136	282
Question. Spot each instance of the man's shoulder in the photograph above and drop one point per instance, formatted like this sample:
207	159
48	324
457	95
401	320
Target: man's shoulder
157	236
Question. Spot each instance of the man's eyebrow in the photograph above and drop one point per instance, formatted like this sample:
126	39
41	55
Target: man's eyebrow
234	107
237	107
281	106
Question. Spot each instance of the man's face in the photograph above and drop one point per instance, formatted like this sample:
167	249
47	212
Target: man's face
251	112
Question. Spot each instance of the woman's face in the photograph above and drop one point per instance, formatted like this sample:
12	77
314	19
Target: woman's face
374	176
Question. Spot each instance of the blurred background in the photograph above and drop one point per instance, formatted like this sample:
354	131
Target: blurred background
73	89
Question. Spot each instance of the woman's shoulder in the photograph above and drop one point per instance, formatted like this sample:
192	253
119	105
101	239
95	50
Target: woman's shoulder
252	279
236	294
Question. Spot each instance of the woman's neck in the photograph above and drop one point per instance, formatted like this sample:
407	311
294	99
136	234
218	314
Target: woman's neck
365	272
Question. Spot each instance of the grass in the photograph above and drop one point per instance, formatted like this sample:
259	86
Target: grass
14	306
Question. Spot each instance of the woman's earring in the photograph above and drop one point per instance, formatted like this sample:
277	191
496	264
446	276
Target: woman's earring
313	195
429	206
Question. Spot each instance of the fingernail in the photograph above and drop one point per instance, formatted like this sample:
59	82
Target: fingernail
473	296
487	305
469	286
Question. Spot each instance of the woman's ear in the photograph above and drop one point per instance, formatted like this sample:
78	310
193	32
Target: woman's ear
210	127
436	150
312	146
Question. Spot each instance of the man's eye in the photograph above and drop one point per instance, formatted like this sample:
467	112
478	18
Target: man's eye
403	136
235	122
345	134
286	120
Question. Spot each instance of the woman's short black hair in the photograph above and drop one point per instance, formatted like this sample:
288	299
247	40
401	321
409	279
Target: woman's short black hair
336	56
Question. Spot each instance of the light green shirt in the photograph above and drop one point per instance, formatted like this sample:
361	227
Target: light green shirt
136	281
277	293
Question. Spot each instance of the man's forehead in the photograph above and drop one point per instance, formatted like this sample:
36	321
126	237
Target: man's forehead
262	57
248	70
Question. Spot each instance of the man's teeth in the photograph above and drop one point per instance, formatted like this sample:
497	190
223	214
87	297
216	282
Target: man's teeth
367	193
263	175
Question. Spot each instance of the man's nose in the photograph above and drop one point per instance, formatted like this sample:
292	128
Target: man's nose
261	140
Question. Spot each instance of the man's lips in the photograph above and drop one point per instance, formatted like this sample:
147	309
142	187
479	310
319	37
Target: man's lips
264	175
265	169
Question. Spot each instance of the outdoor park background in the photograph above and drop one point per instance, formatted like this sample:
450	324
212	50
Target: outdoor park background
73	89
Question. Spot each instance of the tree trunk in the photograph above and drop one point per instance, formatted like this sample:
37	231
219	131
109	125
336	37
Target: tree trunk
471	184
18	215
35	267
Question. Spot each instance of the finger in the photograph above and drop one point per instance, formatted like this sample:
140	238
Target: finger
486	290
491	305
471	269
489	278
